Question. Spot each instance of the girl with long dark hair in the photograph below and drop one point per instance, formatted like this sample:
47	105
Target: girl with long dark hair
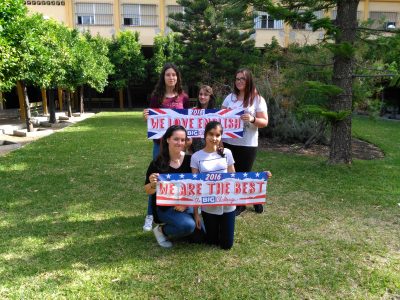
219	221
168	93
177	221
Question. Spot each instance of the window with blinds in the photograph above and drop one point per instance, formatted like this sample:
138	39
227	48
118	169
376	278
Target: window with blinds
334	14
305	26
173	9
387	20
94	14
139	15
265	21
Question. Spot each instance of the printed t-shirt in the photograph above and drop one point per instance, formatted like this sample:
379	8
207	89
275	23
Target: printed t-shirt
207	162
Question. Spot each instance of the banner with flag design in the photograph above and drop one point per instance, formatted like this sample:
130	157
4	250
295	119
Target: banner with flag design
212	189
194	120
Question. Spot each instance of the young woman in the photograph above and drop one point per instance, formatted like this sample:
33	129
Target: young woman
206	100
168	93
177	221
255	116
219	221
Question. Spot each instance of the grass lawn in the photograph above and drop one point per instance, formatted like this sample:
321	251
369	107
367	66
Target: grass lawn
72	207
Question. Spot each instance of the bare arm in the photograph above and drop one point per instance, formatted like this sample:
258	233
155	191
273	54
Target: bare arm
195	210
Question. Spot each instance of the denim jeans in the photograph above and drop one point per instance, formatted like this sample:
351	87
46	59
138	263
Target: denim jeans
220	229
177	224
156	151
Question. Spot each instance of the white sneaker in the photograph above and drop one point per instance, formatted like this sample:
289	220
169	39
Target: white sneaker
148	223
161	238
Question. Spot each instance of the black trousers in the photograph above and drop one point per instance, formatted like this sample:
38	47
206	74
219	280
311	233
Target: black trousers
220	229
244	157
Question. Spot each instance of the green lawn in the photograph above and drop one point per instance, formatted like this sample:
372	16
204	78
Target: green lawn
72	207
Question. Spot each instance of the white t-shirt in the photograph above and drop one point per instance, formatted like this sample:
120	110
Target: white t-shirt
212	162
250	131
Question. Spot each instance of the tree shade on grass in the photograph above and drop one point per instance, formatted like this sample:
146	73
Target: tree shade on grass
72	206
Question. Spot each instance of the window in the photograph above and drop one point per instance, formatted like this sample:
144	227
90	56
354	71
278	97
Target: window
265	21
390	25
85	20
334	14
94	14
139	15
299	25
174	9
380	19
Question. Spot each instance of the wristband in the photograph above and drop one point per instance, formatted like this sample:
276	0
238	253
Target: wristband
254	120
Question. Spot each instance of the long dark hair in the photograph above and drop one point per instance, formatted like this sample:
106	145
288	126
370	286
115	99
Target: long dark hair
250	91
212	125
163	158
211	103
159	89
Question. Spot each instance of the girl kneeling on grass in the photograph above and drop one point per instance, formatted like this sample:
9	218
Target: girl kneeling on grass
219	221
178	221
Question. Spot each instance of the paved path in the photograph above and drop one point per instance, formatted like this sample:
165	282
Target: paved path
12	121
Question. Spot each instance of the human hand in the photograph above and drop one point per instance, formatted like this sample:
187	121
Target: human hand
269	174
247	117
180	208
145	113
153	178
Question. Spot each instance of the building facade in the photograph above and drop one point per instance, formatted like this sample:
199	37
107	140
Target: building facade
149	18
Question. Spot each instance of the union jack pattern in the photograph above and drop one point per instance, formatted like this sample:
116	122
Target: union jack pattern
194	121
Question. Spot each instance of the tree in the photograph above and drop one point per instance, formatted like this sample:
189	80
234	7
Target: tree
217	36
128	61
11	12
343	32
88	65
38	62
166	49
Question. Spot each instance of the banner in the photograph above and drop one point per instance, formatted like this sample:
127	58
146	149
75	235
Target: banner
211	189
194	120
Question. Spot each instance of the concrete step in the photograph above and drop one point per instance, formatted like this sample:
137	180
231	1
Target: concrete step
37	132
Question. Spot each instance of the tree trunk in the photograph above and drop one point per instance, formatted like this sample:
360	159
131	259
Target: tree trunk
81	105
121	99
90	99
69	108
346	20
128	94
44	102
29	125
1	101
60	99
52	106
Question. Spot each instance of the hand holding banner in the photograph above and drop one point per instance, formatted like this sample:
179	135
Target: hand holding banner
212	189
194	120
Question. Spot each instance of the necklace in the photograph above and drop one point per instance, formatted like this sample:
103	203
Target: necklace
177	160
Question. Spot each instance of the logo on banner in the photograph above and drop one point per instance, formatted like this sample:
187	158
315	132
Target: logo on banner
194	121
212	189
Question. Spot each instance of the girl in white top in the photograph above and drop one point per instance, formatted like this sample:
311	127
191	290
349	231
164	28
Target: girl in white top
255	116
219	221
